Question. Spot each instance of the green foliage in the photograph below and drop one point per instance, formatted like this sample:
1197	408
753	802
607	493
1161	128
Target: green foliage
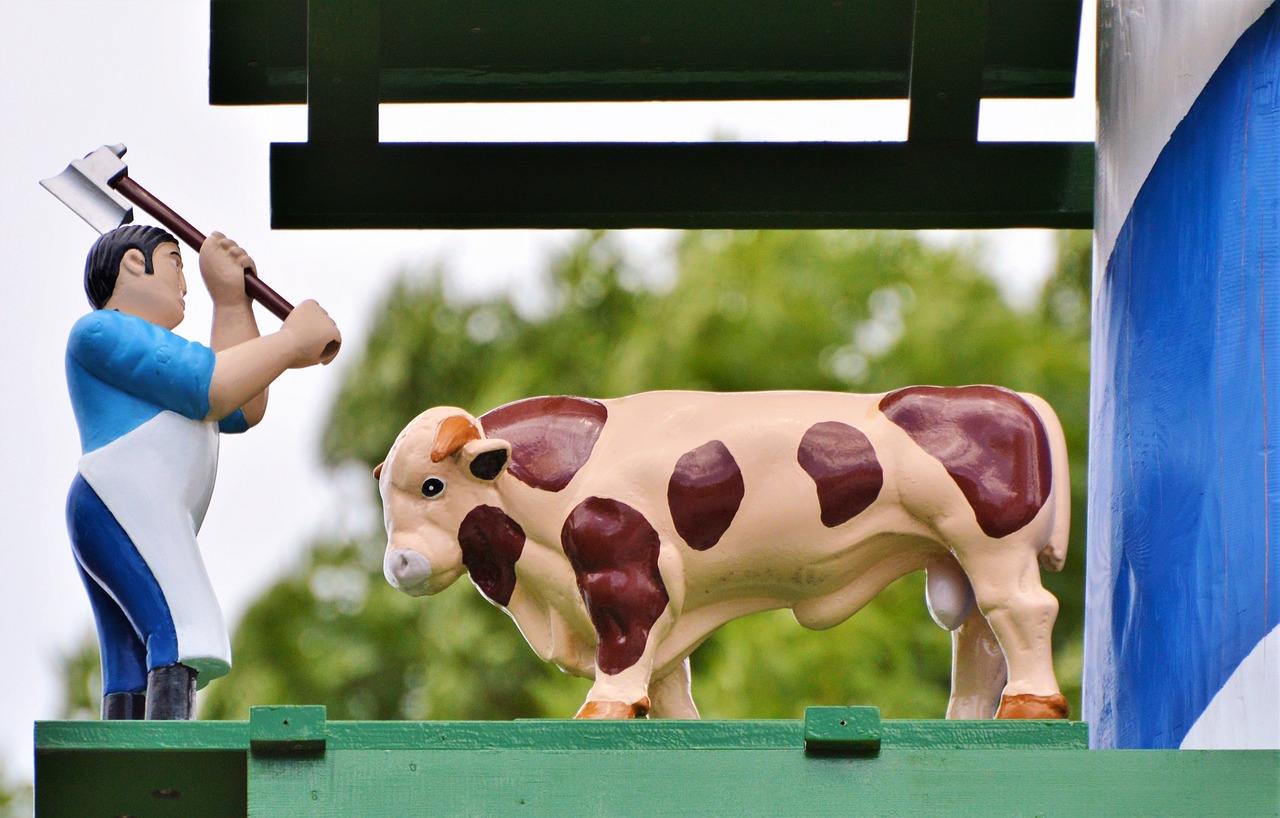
891	655
857	311
82	680
336	634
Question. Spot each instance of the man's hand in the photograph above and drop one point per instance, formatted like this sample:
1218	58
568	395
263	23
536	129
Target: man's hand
222	266
243	372
312	330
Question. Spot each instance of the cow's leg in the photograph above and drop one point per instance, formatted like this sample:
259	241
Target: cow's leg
625	694
672	696
978	670
1006	582
633	587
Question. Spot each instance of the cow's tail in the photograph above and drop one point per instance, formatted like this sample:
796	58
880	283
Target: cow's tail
1054	553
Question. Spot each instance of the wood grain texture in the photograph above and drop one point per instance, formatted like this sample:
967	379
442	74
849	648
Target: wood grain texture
770	782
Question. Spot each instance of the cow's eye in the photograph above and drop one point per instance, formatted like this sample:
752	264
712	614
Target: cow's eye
432	488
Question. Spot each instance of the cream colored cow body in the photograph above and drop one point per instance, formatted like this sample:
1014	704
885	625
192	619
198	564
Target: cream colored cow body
619	534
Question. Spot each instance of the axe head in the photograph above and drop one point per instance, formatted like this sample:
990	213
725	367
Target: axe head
86	186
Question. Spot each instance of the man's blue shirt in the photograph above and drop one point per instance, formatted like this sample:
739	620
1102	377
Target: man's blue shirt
123	370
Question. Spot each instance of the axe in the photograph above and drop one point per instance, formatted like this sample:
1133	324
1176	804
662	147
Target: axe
98	189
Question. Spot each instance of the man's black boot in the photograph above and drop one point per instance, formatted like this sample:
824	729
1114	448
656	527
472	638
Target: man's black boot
123	706
171	693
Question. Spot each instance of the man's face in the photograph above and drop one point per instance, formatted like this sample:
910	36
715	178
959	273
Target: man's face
166	286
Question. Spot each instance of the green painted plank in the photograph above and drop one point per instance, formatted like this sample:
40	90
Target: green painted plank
496	50
686	185
565	735
938	734
557	734
767	782
779	734
141	735
168	783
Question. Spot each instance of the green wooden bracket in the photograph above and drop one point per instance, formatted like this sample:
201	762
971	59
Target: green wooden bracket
842	730
948	52
342	70
287	730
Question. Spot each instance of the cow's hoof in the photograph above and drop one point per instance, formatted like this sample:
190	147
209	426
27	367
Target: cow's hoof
614	710
1031	706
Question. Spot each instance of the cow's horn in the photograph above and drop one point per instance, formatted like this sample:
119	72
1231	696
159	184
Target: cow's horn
454	432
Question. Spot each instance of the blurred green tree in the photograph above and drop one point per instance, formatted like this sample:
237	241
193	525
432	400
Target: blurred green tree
747	310
17	799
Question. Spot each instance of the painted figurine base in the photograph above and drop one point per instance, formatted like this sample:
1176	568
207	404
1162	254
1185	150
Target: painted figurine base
619	533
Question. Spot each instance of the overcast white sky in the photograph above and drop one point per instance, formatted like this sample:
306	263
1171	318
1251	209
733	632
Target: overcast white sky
75	74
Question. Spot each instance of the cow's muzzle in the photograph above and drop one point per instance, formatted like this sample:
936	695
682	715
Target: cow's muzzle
407	571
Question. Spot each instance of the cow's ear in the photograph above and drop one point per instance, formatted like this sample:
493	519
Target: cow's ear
486	458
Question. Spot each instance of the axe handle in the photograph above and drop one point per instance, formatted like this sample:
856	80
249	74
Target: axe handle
184	230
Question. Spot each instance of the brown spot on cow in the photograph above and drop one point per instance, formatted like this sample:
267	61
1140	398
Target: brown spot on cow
704	494
614	553
491	545
992	443
551	438
844	468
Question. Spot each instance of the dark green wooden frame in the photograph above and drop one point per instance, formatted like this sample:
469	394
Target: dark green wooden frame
344	57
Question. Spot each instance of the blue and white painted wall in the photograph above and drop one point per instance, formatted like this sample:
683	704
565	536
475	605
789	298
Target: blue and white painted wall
1182	640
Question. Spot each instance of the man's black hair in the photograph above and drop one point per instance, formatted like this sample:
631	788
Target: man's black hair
102	266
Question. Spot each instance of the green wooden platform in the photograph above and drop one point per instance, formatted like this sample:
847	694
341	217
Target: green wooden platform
290	761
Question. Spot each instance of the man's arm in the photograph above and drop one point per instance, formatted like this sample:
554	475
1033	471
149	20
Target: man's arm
222	266
243	371
248	362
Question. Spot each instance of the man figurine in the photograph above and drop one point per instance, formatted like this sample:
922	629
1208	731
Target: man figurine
149	405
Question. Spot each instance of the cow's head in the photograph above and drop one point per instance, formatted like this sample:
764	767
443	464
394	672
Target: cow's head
439	470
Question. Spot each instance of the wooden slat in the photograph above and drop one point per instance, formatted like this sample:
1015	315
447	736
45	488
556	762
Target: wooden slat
342	70
948	49
581	50
685	185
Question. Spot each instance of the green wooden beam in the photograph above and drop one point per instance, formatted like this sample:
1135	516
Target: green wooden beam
307	722
565	767
782	782
582	50
686	185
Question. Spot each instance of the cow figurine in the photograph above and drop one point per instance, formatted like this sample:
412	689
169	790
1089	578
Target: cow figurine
618	534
